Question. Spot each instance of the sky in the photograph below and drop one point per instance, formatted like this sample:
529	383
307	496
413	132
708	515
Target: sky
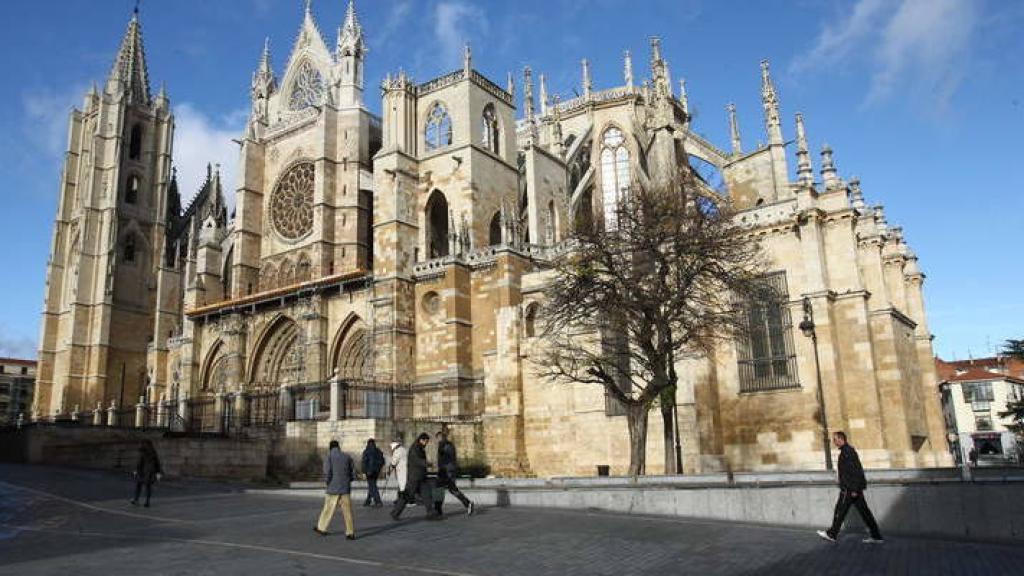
922	99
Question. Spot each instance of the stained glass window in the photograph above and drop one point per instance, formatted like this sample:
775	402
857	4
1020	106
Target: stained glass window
291	205
439	128
307	88
614	174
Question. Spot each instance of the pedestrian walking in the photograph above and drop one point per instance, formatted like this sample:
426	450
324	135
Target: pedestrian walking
416	480
447	471
399	466
972	455
373	463
852	484
147	471
338	474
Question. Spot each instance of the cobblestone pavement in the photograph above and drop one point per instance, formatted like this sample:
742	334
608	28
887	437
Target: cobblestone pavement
61	521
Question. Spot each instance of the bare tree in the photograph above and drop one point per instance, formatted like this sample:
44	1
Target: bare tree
660	276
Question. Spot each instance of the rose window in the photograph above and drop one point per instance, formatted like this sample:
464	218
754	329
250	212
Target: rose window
291	205
307	89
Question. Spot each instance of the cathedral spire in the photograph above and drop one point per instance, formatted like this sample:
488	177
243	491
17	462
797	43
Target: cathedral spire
628	69
467	60
350	35
263	84
659	71
770	101
510	85
528	92
543	96
734	130
588	83
804	171
129	75
684	101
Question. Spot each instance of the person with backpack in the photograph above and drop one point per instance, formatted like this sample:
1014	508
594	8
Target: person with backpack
373	463
447	470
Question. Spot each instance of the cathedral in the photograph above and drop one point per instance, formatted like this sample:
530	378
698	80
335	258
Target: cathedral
384	275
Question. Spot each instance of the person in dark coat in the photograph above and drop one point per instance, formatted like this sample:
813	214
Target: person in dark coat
447	470
851	492
147	471
373	463
416	480
339	473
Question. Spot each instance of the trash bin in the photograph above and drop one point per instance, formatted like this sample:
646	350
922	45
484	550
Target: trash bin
602	469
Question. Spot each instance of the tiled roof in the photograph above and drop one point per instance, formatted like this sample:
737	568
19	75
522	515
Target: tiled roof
17	361
980	374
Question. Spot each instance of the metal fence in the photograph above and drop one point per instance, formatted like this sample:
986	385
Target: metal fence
364	399
263	408
310	401
202	416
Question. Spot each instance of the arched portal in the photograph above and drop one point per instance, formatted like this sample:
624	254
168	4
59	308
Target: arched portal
279	356
351	357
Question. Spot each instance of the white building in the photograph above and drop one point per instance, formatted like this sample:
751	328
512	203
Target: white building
974	393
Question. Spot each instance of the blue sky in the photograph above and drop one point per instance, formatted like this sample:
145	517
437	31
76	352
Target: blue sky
922	99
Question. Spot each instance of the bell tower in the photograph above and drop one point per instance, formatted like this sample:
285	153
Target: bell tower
109	231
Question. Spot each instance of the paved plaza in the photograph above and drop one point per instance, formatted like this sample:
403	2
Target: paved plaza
64	521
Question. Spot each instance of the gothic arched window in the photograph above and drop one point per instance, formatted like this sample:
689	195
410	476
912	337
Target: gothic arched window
494	232
614	174
135	142
307	88
489	125
131	193
438	133
437	225
129	249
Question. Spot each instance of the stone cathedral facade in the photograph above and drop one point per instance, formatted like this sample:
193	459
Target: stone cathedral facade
398	262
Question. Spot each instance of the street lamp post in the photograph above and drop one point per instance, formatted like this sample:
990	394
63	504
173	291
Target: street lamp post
807	327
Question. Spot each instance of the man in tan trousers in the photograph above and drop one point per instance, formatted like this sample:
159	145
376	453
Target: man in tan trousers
338	473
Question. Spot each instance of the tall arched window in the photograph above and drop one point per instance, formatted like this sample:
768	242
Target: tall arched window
131	193
129	249
614	174
437	225
495	229
552	222
135	142
489	126
438	133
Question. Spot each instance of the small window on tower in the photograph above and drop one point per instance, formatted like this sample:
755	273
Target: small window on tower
129	249
135	143
131	195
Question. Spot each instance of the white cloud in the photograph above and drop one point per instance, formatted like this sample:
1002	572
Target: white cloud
17	346
920	45
396	18
455	22
200	139
46	116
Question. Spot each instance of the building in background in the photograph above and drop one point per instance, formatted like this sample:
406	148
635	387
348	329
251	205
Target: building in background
974	393
17	383
399	262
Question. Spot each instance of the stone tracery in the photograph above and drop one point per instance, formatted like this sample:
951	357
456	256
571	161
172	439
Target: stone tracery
291	205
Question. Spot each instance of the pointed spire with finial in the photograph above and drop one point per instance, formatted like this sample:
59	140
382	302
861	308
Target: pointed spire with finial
467	60
510	85
684	101
350	35
734	130
856	194
804	170
828	168
659	71
588	83
528	92
627	71
129	75
543	95
556	130
770	101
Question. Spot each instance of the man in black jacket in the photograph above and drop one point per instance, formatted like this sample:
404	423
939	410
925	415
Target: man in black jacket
373	463
447	470
416	480
851	492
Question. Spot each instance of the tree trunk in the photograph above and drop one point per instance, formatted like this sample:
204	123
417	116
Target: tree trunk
636	419
668	428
